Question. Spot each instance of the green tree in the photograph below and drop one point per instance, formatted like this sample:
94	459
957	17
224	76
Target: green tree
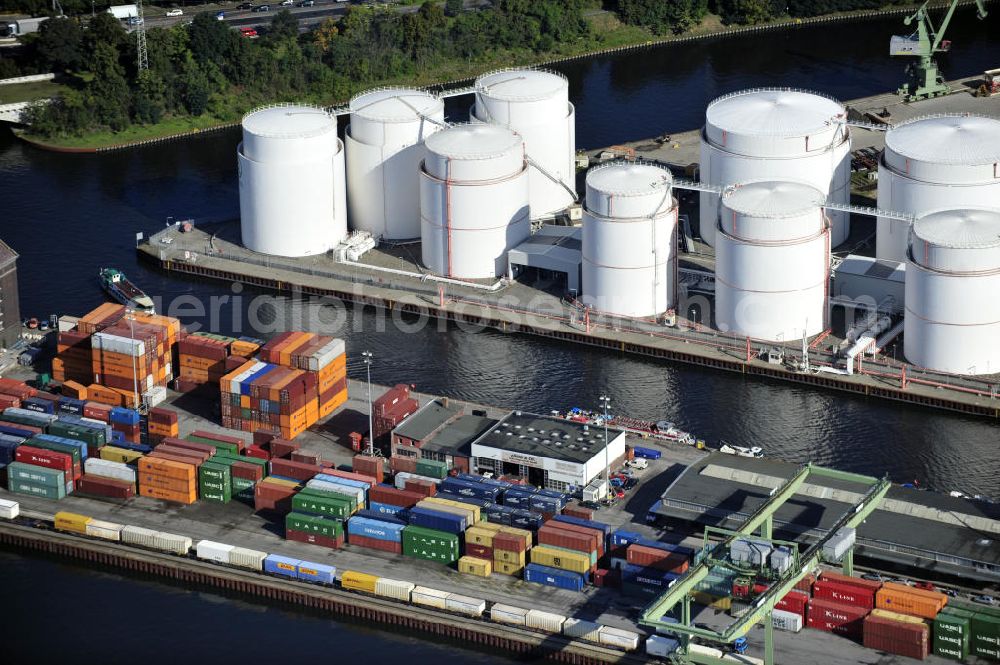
59	44
149	98
210	40
104	29
453	7
284	26
195	86
109	91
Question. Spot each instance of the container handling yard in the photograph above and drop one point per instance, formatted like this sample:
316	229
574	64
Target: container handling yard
575	537
757	244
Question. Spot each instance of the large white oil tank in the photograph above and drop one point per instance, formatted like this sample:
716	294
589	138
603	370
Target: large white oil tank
933	163
385	145
952	321
776	134
473	200
292	191
535	104
772	260
629	236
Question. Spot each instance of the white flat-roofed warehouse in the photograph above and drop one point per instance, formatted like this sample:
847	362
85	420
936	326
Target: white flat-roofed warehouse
549	452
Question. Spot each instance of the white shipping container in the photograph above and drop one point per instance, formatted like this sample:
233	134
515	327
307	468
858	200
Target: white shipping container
396	589
616	637
547	621
9	509
155	395
244	558
515	616
422	595
105	530
212	551
95	466
835	548
170	542
28	412
661	647
465	605
403	476
582	630
355	493
704	650
118	344
783	620
136	535
326	354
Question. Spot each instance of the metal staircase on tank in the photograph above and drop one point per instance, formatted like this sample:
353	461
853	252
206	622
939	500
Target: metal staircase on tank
759	527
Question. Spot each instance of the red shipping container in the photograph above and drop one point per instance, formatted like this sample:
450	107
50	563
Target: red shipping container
369	466
511	542
607	577
26	428
195	456
173	457
257	451
376	544
400	464
282	447
654	557
262	438
575	510
794	601
246	471
162	416
586	530
305	458
570	540
9	402
479	551
393	496
845	594
805	585
870	585
315	539
388	401
290	469
352	476
49	459
835	618
421	487
897	637
189	445
110	488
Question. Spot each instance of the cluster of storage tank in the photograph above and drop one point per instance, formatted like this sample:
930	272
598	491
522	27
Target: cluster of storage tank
467	191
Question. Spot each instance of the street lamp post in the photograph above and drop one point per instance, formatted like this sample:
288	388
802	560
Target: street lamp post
606	404
368	356
135	380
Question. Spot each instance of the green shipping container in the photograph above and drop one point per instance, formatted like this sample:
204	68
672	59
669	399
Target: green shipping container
986	626
951	636
34	489
432	468
243	489
430	545
36	475
215	472
73	451
315	524
322	505
351	501
218	445
90	436
214	496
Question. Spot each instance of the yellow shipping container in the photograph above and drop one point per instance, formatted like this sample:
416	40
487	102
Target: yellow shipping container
578	562
506	556
896	616
281	481
477	535
507	568
356	581
473	510
114	454
719	603
72	522
473	566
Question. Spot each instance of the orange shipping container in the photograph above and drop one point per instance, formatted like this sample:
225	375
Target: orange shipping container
905	602
101	395
297	341
188	497
74	390
164	483
168	468
935	596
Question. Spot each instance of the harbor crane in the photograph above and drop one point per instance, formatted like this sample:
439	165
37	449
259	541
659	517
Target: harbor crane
923	78
758	528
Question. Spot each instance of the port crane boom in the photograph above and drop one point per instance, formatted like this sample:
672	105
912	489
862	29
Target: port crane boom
923	78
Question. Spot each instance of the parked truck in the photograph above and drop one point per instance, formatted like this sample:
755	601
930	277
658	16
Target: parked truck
123	12
22	26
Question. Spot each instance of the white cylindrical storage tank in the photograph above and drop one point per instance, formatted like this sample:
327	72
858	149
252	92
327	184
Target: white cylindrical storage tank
385	145
629	236
772	261
535	104
473	200
776	134
291	171
934	163
952	319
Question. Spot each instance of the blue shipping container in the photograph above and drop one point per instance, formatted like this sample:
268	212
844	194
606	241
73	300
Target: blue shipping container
432	519
493	482
38	405
523	519
621	538
544	504
349	482
648	453
369	528
117	437
66	442
562	579
648	577
137	447
384	508
37	419
604	528
275	564
16	432
469	489
8	445
123	416
498	514
316	572
380	517
68	405
245	384
481	503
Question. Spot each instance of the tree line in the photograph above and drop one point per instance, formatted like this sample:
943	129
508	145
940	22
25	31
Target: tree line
208	68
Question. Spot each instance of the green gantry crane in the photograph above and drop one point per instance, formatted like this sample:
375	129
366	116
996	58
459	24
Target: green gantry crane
758	527
923	78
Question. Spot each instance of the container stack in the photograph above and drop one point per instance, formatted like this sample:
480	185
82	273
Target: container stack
384	534
898	634
168	477
201	360
907	600
100	318
369	466
134	354
107	479
264	397
125	421
506	548
316	529
33	480
162	424
73	358
320	356
984	638
431	544
274	494
389	410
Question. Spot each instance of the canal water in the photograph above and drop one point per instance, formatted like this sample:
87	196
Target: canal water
68	216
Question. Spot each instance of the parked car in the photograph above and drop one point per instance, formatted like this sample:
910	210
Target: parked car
245	5
630	483
287	3
951	593
307	3
638	463
249	33
175	12
262	8
926	586
592	505
221	16
874	577
984	599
